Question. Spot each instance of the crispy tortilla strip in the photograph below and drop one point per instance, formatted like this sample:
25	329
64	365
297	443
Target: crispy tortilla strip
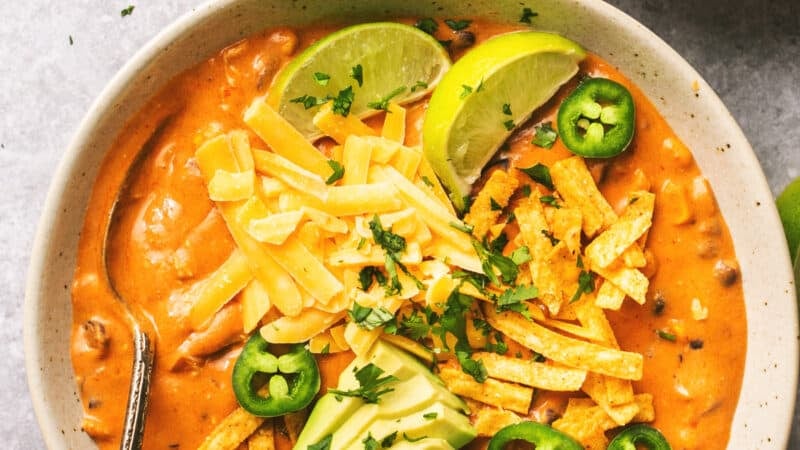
575	184
275	228
493	392
294	423
488	420
596	388
359	199
530	373
394	124
231	186
277	166
340	127
212	293
594	318
490	202
356	156
634	222
284	139
564	267
232	431
263	438
630	281
583	418
566	226
609	296
568	351
255	304
437	216
633	256
533	228
308	271
292	330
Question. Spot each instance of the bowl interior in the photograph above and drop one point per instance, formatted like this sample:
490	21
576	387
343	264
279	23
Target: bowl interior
721	150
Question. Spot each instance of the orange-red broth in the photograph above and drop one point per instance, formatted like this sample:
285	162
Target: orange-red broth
169	236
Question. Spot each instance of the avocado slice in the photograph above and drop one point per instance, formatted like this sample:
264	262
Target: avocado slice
436	421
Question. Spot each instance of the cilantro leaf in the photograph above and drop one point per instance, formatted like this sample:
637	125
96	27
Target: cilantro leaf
325	350
370	443
338	171
507	109
369	318
545	136
343	101
127	11
550	200
457	25
427	25
430	416
471	367
494	205
322	79
527	14
388	441
465	91
491	260
357	73
427	181
324	444
521	255
517	294
549	235
509	124
585	284
308	101
463	227
419	85
540	174
372	385
526	190
414	326
499	346
367	274
383	104
393	245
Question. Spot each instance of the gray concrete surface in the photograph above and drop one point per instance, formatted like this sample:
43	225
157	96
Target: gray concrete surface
55	57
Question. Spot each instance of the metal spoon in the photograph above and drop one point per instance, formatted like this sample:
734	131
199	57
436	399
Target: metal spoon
143	348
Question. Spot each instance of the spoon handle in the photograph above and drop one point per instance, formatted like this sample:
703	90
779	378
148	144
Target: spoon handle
136	410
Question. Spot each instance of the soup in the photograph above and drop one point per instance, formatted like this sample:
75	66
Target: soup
170	237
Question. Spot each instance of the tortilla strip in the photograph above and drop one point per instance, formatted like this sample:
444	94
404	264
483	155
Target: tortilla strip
489	204
533	226
488	420
263	438
565	350
623	233
630	281
531	373
232	431
575	184
493	392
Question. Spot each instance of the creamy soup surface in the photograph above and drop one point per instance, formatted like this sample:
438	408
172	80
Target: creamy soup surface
170	235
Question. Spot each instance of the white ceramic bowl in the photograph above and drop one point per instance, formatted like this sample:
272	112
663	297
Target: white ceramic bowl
765	408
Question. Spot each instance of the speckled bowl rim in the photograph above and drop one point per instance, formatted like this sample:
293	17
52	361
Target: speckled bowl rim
764	413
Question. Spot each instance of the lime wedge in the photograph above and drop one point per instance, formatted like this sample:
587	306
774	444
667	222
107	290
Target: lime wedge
788	204
394	58
485	95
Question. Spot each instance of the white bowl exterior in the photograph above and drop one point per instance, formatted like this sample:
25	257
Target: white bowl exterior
764	413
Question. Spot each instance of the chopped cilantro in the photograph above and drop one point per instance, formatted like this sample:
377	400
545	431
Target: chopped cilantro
393	245
322	79
465	91
427	25
480	86
491	260
550	200
511	217
511	299
309	101
509	124
369	318
494	205
367	274
419	85
506	109
325	350
545	136
343	101
457	25
474	368
527	15
521	255
324	444
361	243
372	385
526	190
549	235
383	104
540	174
482	326
427	181
338	171
414	326
585	284
357	73
127	11
370	443
499	243
666	335
463	227
431	415
538	357
388	441
499	346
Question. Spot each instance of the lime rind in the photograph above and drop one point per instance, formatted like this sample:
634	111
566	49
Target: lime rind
391	55
466	123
